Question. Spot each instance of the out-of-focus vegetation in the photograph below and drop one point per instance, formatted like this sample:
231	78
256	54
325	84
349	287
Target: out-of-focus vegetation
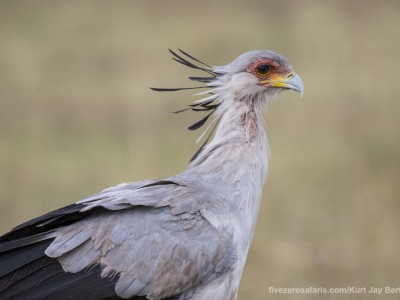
76	116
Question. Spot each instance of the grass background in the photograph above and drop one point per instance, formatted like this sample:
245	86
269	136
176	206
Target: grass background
76	116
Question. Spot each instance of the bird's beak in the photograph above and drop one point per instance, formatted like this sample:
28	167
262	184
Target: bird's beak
289	81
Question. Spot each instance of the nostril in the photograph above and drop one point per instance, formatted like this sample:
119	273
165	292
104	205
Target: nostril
290	75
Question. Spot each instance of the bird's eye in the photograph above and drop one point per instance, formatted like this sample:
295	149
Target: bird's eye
263	70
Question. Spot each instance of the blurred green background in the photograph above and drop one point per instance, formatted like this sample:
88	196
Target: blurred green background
76	116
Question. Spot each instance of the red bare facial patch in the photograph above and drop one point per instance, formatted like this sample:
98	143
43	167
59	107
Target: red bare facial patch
275	65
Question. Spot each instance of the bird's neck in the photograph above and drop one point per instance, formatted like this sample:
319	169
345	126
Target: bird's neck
237	158
235	164
239	150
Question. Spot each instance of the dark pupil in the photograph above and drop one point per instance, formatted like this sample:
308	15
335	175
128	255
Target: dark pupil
263	69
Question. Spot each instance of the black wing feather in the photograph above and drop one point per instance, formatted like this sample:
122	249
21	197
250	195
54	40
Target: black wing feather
48	222
13	259
44	278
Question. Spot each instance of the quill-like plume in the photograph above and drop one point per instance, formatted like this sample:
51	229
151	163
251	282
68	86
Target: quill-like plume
208	103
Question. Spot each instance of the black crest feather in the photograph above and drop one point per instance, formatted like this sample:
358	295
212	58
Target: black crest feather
199	123
176	89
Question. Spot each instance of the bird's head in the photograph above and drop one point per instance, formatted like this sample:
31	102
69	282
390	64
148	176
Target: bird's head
261	73
255	76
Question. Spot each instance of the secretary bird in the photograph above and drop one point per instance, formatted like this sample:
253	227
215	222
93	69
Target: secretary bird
183	237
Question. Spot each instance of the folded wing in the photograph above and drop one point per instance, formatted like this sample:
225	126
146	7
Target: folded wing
147	239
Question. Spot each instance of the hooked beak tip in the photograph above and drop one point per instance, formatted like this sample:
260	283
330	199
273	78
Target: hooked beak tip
295	83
